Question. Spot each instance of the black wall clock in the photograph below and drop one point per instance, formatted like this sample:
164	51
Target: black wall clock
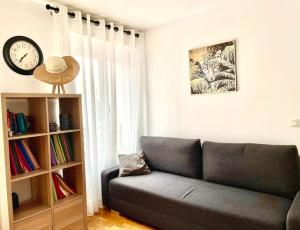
22	55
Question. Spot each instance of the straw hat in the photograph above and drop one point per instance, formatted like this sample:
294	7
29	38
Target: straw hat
57	70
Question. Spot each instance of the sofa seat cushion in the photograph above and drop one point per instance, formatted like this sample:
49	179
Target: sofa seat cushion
203	203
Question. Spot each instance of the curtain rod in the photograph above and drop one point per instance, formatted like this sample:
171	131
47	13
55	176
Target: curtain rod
97	23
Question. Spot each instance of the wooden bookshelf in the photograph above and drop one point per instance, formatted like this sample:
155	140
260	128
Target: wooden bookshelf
34	188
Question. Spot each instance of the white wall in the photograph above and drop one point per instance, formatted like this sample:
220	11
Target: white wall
268	60
21	17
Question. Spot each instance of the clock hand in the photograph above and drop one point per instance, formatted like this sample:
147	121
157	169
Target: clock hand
23	57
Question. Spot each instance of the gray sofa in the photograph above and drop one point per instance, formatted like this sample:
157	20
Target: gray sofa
216	186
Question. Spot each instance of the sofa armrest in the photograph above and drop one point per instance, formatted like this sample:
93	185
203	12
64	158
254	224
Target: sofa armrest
106	176
293	217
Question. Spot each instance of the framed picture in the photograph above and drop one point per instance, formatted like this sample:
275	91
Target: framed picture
213	68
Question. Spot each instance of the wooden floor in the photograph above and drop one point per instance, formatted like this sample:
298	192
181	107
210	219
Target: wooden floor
111	220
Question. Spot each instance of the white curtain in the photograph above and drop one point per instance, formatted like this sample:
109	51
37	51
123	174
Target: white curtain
113	86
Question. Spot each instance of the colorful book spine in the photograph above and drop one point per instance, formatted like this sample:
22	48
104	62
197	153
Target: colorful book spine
53	157
18	123
16	129
22	160
54	196
53	152
13	167
30	154
25	155
15	158
61	149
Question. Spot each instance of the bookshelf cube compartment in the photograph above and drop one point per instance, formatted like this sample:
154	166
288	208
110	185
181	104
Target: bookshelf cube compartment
35	108
75	145
53	111
72	107
39	148
73	177
34	196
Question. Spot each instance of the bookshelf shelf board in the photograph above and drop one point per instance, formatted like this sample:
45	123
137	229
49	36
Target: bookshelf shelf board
66	165
29	135
28	210
65	131
25	176
66	200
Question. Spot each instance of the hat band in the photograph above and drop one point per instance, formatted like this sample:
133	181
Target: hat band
55	70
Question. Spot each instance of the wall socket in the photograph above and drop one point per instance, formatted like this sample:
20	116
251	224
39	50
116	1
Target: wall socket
294	123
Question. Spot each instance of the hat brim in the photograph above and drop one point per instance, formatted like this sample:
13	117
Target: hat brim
64	77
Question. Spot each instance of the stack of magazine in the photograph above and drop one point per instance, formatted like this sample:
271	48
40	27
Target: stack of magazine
60	189
61	149
18	123
22	160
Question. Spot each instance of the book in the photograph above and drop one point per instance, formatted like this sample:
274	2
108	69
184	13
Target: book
16	130
31	156
59	193
61	149
22	160
18	123
9	123
53	152
15	158
66	144
64	191
25	154
60	187
13	168
57	150
54	196
53	158
64	184
64	147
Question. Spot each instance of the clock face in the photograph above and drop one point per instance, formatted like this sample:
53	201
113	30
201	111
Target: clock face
22	55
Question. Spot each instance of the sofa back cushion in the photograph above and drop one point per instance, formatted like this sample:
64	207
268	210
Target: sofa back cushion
264	168
173	155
